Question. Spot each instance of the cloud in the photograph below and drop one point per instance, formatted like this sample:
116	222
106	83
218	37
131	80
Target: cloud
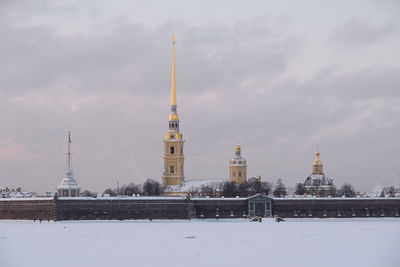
233	82
360	32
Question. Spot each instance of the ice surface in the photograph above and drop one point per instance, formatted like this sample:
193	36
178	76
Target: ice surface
227	242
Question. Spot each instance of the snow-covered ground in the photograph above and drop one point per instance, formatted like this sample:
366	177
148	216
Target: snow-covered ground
230	242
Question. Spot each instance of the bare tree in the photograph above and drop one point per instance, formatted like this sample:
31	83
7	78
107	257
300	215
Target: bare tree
266	188
243	189
130	189
389	191
207	190
280	189
152	188
300	190
229	189
347	190
110	192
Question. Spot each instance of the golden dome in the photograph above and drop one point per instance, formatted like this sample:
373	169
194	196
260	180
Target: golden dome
237	148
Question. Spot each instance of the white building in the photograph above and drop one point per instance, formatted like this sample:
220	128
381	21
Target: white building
68	186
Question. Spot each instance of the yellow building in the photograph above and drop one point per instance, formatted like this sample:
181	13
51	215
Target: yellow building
238	167
317	164
173	142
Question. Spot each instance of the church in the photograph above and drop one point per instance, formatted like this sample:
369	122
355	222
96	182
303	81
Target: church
318	183
173	171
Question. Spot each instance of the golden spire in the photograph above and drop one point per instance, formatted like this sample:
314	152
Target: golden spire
173	93
317	152
317	164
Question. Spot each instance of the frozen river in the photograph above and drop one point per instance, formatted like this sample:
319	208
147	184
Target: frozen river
230	242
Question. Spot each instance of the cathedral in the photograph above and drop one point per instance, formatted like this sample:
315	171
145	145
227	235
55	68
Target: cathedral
173	171
173	175
317	183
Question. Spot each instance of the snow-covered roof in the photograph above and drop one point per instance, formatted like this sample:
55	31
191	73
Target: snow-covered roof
68	182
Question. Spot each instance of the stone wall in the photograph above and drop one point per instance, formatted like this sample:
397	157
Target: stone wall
337	207
220	207
27	209
120	209
180	208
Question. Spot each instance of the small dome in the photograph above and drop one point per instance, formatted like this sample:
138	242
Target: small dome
237	148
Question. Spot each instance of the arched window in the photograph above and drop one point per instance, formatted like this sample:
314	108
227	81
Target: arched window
172	150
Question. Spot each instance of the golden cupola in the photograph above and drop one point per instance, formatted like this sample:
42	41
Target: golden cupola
317	164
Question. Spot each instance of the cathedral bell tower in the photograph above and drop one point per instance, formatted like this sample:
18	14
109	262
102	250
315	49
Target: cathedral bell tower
238	167
173	141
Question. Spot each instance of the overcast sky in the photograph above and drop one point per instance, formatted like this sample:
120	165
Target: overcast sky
279	77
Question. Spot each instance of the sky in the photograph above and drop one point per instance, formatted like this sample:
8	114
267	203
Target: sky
279	77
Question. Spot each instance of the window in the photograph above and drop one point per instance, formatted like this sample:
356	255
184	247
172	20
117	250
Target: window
234	173
240	174
172	150
171	169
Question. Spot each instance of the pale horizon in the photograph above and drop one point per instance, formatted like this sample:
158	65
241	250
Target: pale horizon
280	78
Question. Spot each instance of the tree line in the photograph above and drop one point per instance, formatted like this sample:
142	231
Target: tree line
149	188
231	189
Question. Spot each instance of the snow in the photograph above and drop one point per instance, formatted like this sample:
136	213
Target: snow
227	242
27	199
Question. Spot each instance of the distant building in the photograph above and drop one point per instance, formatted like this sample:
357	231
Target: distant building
238	167
16	193
173	175
317	183
68	186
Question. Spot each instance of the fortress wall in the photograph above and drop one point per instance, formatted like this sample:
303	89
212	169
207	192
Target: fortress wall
120	209
179	208
337	207
227	208
27	209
